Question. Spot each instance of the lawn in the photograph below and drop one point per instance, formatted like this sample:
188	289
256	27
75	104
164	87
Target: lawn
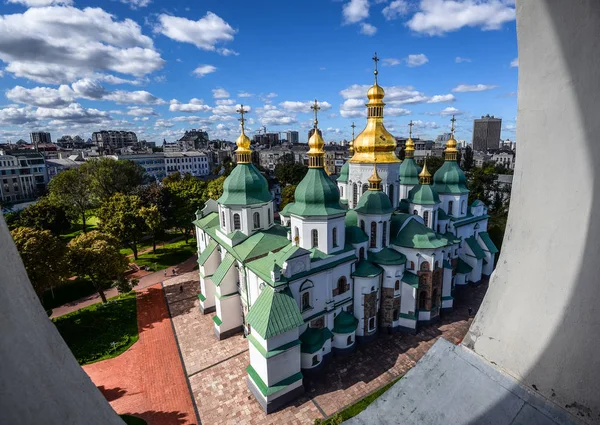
100	331
146	243
91	223
356	408
168	255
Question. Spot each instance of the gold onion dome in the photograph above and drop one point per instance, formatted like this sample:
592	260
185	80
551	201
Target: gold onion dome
425	175
375	143
450	153
374	180
243	151
316	143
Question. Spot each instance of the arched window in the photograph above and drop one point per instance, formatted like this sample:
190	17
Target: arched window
434	297
412	265
362	225
270	217
426	217
373	235
361	253
450	207
437	264
334	236
415	212
315	238
222	218
438	228
341	191
462	207
305	301
236	222
397	285
296	235
391	193
384	234
342	285
365	188
315	360
354	194
256	220
349	340
424	266
422	300
476	229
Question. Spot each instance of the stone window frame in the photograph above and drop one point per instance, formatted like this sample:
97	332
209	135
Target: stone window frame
372	320
237	221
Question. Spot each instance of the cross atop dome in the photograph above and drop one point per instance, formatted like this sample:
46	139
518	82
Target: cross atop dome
375	59
315	107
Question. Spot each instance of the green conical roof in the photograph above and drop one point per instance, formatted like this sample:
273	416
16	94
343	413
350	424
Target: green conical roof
245	186
316	195
423	194
450	179
409	171
343	178
374	202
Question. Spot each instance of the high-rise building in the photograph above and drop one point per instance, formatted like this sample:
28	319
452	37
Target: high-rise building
311	131
292	137
39	137
111	139
486	133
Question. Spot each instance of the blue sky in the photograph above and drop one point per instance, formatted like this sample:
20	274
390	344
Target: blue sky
157	67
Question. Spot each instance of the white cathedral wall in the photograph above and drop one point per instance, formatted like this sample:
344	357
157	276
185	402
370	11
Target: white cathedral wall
404	189
208	290
360	173
392	273
362	286
253	285
447	288
306	358
324	227
229	311
341	340
431	209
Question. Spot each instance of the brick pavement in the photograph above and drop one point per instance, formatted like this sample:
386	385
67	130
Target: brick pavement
148	380
217	376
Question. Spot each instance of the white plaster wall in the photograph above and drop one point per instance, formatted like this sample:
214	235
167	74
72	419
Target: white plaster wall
324	226
284	391
360	173
420	209
341	340
279	340
378	219
229	311
283	366
208	290
408	300
404	189
258	362
211	263
456	203
229	283
253	286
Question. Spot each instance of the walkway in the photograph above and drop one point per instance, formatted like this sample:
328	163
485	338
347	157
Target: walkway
145	280
148	380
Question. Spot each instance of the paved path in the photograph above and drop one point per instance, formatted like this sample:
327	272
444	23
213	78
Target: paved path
146	279
148	380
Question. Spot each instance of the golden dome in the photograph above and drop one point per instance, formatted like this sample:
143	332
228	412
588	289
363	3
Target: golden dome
374	180
425	175
316	143
315	152
243	152
450	153
376	92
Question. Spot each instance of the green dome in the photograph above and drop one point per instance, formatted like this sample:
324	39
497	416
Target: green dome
343	178
374	202
316	194
245	186
409	171
450	179
286	210
344	323
423	194
351	218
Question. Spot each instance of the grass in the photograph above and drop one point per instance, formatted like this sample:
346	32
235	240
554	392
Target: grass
67	292
100	331
168	255
356	408
77	228
147	242
133	420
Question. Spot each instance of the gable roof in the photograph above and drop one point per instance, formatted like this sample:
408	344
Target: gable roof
212	245
475	247
367	269
416	235
223	268
274	313
387	256
491	247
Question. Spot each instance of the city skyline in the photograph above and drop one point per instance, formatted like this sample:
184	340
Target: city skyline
159	69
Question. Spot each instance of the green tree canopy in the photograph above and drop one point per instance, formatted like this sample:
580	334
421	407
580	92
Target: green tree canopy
96	255
120	216
214	189
287	196
108	176
433	163
155	222
468	161
70	189
185	196
43	255
289	173
45	215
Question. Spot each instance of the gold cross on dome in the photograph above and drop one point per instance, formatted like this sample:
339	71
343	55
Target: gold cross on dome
410	125
375	59
353	127
315	107
453	128
242	111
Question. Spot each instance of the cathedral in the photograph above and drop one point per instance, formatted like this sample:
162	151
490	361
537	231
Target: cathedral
379	251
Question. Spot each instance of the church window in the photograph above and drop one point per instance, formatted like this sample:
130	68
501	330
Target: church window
462	207
415	212
362	225
438	228
412	265
296	235
397	285
371	324
426	218
395	316
437	264
222	218
365	188
373	235
476	228
391	193
315	360
354	194
434	297
450	207
384	234
425	266
349	340
256	220
341	191
236	222
361	253
305	301
269	216
422	300
315	238
334	236
342	285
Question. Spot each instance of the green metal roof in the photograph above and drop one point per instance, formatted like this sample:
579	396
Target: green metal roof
316	195
281	385
423	194
442	214
477	203
274	313
343	178
275	351
245	186
344	323
411	278
404	206
351	218
212	245
485	237
452	238
462	267
313	339
387	256
355	235
366	269
409	171
210	220
286	210
397	221
449	178
475	247
374	202
468	219
416	235
237	237
223	268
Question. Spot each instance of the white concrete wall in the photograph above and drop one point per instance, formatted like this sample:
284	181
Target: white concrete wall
548	270
431	209
229	310
378	220
324	227
360	173
456	204
408	300
306	358
404	189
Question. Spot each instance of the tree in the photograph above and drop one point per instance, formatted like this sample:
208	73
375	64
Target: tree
287	196
289	172
43	255
120	216
185	196
468	161
96	255
154	221
482	183
45	215
108	176
459	156
70	189
434	163
214	189
401	154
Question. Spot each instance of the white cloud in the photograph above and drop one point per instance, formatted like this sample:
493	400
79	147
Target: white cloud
355	11
203	70
225	102
461	60
89	89
295	106
391	62
367	29
136	111
395	9
396	112
270	115
244	94
333	130
353	108
220	93
271	95
437	17
42	96
426	124
463	88
514	63
416	60
163	123
450	110
440	98
229	109
14	115
227	52
136	4
195	105
41	3
204	33
61	44
74	113
140	96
